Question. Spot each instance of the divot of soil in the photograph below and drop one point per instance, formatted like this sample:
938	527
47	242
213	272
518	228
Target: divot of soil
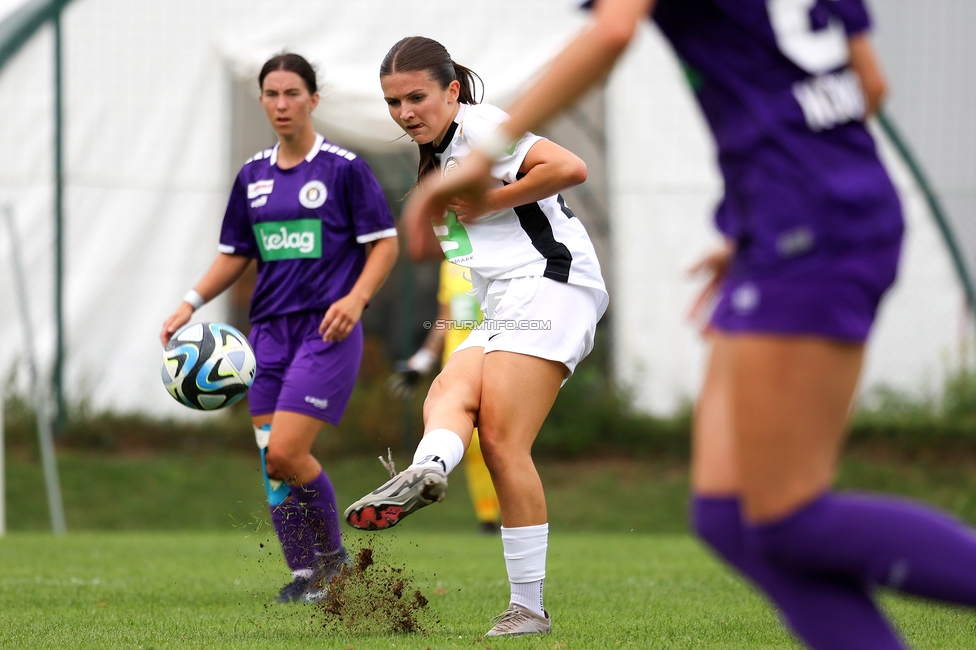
374	598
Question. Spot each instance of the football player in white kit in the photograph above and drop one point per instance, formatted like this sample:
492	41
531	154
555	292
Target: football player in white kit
535	272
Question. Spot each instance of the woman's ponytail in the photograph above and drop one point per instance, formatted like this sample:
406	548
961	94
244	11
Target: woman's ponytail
419	53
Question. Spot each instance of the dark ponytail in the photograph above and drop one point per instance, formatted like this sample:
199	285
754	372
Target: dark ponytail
419	53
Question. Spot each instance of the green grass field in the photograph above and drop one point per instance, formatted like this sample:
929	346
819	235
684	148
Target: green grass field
175	551
177	590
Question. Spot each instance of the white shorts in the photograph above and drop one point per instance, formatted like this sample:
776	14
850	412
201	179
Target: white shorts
538	317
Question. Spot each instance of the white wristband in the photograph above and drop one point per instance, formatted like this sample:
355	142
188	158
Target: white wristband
493	145
195	299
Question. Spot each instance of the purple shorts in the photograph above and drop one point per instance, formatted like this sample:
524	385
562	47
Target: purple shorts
833	294
298	372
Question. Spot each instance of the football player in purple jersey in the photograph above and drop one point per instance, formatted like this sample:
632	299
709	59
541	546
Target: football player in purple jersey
813	229
316	220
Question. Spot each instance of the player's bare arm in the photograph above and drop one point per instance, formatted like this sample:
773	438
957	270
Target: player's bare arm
712	267
548	169
222	273
583	62
865	65
422	245
344	313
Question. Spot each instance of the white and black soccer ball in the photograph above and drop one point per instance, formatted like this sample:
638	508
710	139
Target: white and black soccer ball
208	366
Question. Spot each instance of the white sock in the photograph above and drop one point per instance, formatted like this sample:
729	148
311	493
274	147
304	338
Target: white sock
525	558
439	447
528	595
301	573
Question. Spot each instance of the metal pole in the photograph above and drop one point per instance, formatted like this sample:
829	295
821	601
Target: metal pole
45	437
935	207
58	378
55	502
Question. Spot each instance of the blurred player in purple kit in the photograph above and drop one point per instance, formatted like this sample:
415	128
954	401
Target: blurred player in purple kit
813	229
316	220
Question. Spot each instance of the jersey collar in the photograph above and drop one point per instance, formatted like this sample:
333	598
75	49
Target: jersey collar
445	143
308	158
315	148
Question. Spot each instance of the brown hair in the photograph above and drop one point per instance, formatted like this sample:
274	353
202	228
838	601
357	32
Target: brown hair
419	53
290	62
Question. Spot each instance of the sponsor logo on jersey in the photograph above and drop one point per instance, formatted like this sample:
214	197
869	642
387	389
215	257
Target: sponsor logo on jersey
288	240
313	194
453	237
254	190
317	403
258	202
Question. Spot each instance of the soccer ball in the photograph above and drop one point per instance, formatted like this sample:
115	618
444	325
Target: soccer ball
208	366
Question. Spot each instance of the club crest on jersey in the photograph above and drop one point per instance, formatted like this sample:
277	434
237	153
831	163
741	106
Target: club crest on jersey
259	188
313	194
451	166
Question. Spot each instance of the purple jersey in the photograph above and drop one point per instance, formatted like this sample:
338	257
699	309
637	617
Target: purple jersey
307	226
787	113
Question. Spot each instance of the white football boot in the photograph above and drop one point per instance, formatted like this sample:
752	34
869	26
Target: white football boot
518	620
407	492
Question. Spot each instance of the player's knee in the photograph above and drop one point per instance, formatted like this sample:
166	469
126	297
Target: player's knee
496	453
444	394
280	464
439	387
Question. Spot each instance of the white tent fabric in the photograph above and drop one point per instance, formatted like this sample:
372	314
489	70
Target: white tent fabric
147	87
147	110
7	7
504	42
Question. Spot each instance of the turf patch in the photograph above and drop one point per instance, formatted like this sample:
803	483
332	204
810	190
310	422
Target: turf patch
372	598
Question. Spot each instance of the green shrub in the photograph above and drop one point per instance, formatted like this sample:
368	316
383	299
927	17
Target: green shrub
591	416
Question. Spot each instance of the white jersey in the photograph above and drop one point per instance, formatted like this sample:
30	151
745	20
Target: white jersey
543	238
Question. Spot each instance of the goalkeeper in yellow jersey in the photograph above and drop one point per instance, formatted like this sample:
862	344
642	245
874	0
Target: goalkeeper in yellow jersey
458	313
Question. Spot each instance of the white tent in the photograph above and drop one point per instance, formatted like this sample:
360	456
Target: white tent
148	166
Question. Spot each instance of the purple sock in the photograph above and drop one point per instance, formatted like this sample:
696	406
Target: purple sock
825	614
878	540
294	533
321	511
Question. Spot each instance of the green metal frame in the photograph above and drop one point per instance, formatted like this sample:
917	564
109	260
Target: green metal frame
19	26
61	411
15	31
938	213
